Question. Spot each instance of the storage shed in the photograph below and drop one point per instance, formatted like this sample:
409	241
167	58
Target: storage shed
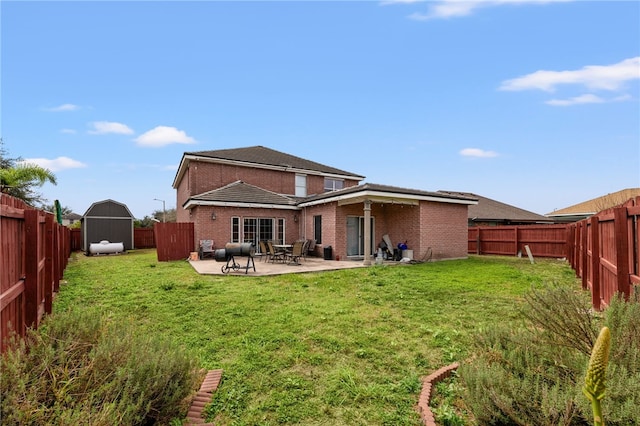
107	220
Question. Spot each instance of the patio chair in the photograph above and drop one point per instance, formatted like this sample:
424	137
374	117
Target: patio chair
297	251
275	255
309	249
206	249
264	251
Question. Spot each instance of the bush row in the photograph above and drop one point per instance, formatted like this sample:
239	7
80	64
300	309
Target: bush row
83	368
532	372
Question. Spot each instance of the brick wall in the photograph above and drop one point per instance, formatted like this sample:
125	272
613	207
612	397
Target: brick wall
327	211
207	176
444	229
219	229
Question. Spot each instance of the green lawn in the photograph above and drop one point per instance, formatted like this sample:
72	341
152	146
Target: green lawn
330	348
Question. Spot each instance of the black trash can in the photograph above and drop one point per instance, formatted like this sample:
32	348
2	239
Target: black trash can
328	253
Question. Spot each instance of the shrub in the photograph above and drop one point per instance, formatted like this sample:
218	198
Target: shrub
532	372
83	368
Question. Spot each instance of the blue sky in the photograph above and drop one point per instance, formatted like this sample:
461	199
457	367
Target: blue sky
531	103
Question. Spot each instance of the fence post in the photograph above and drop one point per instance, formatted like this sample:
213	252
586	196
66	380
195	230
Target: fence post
31	268
571	232
596	296
583	252
622	251
49	271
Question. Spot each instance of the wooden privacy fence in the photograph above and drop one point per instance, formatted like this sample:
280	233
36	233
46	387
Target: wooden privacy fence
34	251
142	238
174	241
543	240
604	251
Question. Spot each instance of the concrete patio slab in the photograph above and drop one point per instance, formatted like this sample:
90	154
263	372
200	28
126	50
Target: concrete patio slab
311	264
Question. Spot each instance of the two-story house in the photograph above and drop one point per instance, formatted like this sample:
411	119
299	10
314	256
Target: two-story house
257	193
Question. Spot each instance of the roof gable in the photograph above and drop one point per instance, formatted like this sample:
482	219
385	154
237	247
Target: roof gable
108	208
267	156
240	193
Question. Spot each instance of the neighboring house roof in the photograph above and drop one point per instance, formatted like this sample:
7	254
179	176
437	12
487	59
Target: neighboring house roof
72	216
241	194
591	207
385	194
491	210
261	157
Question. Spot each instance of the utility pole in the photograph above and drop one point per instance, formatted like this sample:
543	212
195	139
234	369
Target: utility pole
164	210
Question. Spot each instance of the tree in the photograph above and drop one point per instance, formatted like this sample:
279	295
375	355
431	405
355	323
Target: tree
18	178
168	216
52	209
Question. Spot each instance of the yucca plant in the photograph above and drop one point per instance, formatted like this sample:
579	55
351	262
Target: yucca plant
594	386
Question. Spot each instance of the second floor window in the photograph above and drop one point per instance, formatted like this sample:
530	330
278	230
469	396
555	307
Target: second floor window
333	184
301	186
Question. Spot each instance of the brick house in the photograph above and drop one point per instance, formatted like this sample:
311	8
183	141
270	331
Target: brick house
257	193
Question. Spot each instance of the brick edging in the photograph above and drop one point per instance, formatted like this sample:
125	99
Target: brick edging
203	397
426	415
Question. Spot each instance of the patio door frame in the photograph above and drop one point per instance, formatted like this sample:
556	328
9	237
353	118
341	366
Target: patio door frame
359	238
255	229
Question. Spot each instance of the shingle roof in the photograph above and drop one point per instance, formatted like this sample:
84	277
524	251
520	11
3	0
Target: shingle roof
243	193
598	204
488	209
389	189
267	156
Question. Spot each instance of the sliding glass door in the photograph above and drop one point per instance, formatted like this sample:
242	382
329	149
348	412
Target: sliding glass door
355	235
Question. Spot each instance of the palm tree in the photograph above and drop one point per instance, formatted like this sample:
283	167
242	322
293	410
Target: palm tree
18	178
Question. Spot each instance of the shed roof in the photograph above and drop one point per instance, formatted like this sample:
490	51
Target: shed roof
108	208
492	210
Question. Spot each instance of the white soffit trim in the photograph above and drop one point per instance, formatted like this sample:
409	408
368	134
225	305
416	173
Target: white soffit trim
385	197
191	204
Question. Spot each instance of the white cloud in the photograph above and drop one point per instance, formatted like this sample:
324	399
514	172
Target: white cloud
445	9
595	77
68	131
586	99
163	135
104	127
63	107
388	2
56	164
478	153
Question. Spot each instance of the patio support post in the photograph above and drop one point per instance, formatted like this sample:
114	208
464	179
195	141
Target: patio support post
367	232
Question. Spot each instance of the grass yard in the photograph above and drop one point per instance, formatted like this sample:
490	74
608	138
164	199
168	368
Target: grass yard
330	348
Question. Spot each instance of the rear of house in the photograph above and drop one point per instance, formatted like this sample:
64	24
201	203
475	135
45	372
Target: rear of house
256	193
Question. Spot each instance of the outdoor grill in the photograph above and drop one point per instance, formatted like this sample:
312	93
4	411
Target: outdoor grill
233	250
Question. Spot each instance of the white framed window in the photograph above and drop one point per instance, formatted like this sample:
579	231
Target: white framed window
280	230
301	185
333	184
235	230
